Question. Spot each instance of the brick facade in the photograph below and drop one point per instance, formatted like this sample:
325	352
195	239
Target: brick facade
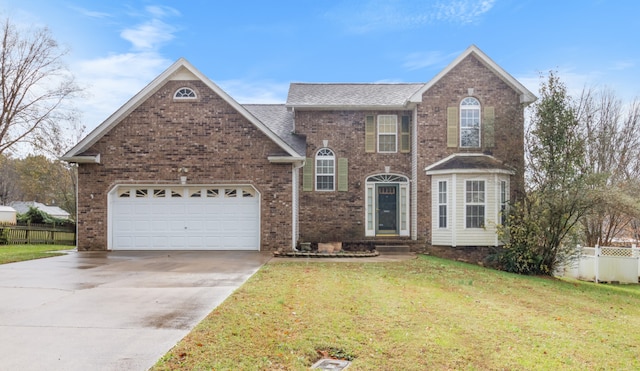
219	143
341	215
208	137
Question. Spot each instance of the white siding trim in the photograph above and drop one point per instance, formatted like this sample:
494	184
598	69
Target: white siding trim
414	175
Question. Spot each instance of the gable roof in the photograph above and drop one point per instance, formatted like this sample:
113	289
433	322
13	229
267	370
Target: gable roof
327	96
468	163
280	121
179	70
526	96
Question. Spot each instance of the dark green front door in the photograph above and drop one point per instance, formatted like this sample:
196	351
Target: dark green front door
387	215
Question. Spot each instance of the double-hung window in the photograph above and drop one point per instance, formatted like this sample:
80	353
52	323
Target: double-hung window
475	203
470	122
387	133
442	204
325	170
504	198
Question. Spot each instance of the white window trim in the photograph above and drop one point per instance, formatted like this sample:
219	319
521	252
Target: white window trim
503	199
371	202
479	109
176	97
395	133
333	174
445	204
467	203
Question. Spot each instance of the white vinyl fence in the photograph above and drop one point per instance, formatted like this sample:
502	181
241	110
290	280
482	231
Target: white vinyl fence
606	264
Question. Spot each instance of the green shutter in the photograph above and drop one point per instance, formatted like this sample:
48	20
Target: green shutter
452	126
489	127
405	134
307	175
370	134
343	175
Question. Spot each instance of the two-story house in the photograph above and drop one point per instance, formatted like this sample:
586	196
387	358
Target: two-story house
182	165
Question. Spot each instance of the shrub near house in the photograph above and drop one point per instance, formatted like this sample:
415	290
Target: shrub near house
183	165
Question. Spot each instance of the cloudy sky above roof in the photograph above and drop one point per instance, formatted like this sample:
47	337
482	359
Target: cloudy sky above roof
254	49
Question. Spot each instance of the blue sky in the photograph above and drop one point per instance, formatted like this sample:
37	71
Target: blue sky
254	49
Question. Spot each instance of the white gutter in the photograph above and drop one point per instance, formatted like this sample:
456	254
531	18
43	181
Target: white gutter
82	159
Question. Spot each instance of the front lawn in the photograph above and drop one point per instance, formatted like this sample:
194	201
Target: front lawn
422	314
17	253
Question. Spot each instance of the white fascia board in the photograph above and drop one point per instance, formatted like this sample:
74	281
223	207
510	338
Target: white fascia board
526	96
153	86
82	159
314	107
285	159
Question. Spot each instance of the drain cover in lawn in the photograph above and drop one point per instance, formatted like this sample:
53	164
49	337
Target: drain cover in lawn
330	364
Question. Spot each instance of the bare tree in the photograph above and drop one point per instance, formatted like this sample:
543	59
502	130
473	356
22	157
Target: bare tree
35	86
612	154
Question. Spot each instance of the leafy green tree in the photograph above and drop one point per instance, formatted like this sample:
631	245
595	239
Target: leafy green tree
559	192
50	182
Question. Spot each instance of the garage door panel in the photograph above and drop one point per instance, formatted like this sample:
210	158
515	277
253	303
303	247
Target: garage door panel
223	221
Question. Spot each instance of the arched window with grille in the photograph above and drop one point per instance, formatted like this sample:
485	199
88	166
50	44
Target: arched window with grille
325	170
185	93
470	122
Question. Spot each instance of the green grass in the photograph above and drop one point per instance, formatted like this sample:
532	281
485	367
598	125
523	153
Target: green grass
421	314
18	253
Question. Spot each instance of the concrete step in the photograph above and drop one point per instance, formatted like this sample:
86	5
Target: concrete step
392	249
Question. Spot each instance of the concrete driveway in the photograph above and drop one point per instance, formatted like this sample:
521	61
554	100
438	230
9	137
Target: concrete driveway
111	311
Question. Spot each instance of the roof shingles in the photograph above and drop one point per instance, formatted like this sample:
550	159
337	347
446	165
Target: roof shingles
350	95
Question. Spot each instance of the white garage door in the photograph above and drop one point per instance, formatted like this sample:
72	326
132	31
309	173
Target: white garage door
185	218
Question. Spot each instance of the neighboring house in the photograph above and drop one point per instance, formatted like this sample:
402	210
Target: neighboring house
56	212
182	165
7	215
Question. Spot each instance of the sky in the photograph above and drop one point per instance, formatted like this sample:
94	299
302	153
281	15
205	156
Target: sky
255	49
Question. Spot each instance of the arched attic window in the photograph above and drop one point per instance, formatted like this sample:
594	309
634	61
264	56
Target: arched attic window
470	122
185	93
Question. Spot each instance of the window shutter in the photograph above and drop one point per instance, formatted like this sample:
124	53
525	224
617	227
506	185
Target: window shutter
370	134
307	175
452	126
405	134
343	175
489	127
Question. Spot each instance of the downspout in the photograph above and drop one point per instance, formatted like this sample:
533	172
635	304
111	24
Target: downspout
414	175
295	178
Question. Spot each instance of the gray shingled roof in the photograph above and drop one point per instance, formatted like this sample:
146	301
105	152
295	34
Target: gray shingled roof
279	120
476	162
346	95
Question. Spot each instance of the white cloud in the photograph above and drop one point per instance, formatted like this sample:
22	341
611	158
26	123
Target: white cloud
462	11
110	81
113	79
90	13
379	14
149	35
419	60
259	92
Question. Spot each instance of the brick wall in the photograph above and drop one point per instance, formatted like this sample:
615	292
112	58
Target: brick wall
341	215
449	91
207	136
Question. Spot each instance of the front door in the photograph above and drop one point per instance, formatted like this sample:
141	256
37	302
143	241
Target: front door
387	213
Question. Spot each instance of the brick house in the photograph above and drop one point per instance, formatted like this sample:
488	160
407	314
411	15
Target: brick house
184	166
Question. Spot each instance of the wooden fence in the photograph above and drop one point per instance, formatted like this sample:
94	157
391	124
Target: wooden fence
31	233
